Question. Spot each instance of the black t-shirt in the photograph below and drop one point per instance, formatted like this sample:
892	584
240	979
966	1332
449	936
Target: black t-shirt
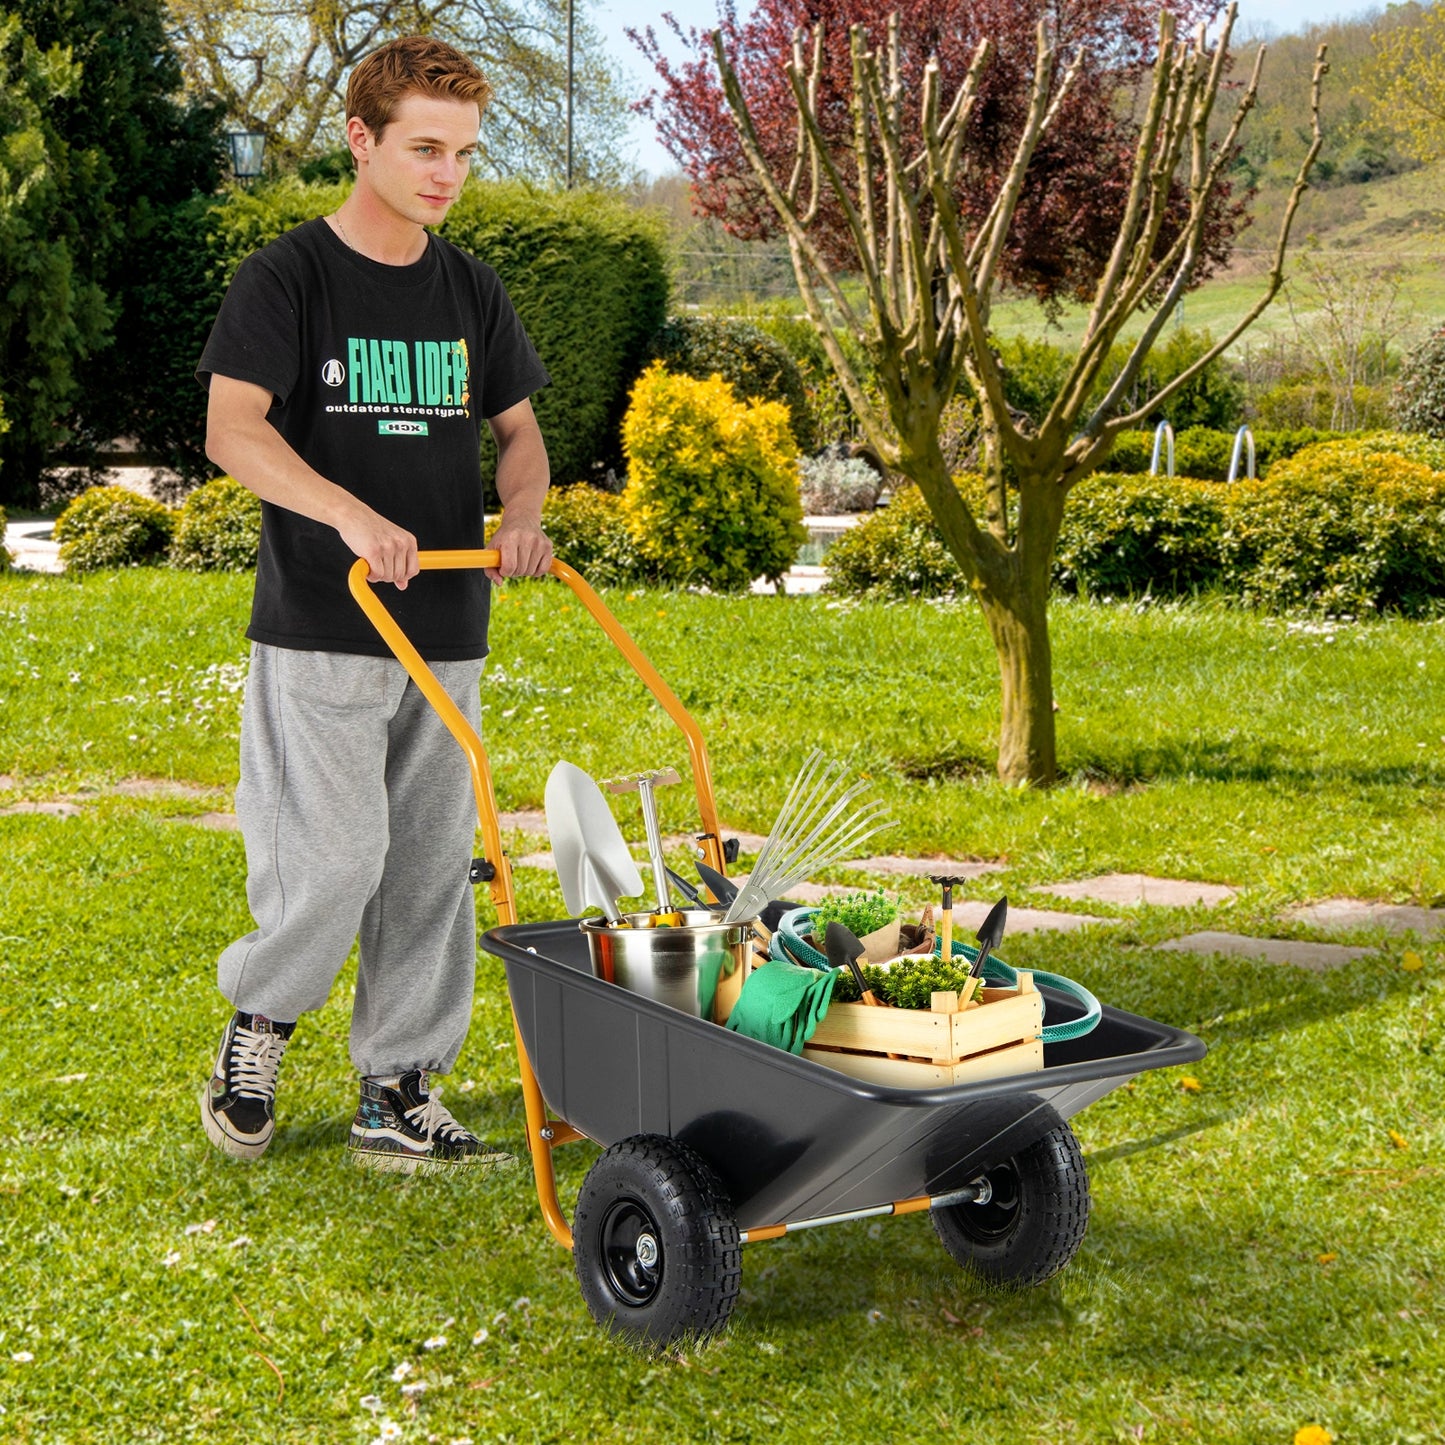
381	378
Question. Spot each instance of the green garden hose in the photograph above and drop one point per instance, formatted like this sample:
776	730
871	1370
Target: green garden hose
790	946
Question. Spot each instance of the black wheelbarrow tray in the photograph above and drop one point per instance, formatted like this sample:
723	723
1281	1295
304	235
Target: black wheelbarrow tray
712	1139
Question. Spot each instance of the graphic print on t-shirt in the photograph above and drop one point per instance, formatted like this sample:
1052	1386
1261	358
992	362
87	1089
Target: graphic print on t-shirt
428	378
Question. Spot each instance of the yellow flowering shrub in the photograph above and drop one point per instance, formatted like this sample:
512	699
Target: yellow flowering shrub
712	482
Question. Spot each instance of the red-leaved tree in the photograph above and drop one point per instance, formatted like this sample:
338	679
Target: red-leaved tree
881	182
1066	220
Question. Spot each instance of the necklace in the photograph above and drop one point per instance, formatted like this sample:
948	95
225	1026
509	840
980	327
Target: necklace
341	231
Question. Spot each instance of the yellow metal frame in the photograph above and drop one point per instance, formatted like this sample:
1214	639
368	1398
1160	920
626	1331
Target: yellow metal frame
543	1134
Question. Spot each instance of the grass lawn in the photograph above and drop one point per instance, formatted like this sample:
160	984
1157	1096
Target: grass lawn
1264	1249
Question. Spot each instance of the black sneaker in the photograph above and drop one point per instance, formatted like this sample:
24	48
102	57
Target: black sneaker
238	1105
402	1125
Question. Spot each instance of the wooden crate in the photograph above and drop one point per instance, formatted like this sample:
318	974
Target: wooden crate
988	1036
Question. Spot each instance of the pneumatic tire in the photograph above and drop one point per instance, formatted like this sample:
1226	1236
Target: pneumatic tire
655	1243
1034	1221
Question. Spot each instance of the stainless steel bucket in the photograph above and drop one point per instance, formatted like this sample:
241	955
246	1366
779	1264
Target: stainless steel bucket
678	966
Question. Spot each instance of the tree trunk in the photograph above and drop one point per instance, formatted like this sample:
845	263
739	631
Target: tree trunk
1019	626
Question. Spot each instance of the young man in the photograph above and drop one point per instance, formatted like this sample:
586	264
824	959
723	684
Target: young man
349	372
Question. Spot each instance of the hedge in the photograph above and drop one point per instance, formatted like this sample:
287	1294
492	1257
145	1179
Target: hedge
1352	526
587	273
218	529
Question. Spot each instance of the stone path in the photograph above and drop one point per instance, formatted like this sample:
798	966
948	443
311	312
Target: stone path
1126	890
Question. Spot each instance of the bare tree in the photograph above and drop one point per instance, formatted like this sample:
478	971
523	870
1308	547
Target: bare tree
928	280
281	66
1346	313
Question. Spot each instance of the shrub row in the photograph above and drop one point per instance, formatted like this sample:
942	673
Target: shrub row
217	530
1349	526
712	499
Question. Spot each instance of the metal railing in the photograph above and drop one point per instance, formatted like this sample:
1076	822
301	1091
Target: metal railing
1163	432
1243	439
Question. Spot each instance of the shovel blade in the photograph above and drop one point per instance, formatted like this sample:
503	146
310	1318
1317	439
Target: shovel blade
594	864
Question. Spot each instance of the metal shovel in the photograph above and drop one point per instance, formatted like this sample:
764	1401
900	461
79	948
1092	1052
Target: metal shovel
594	864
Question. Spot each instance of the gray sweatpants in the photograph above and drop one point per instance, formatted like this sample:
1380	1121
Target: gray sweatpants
358	814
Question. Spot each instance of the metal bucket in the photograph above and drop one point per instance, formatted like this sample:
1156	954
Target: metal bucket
678	966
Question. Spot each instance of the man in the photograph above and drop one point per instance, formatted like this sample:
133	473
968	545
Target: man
349	370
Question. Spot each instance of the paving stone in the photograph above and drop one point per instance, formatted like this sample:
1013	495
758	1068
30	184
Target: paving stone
1314	956
54	810
1355	913
536	860
1131	888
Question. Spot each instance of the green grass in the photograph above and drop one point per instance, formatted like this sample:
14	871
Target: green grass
1262	1255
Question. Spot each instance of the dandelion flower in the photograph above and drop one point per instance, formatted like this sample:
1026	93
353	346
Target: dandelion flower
1190	1084
1412	962
1313	1435
1398	1139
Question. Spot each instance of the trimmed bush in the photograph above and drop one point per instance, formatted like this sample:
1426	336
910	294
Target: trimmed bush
589	532
6	560
832	484
1339	528
1348	526
113	527
757	366
1124	535
712	491
895	554
218	529
1420	391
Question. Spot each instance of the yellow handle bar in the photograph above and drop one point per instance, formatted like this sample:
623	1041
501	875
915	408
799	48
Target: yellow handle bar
466	735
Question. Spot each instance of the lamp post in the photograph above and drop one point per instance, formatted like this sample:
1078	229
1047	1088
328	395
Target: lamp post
247	149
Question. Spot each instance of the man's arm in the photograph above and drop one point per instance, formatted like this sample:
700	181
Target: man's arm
244	444
523	475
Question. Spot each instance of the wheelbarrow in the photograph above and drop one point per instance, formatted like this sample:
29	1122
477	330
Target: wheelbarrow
712	1140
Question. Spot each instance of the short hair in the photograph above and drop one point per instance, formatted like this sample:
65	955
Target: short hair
411	65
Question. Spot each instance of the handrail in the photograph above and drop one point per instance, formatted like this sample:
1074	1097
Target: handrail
1243	436
1161	432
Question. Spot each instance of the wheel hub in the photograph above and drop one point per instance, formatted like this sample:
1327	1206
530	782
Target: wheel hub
996	1210
631	1251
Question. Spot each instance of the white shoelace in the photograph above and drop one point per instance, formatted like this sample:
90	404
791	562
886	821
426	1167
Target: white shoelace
433	1118
255	1060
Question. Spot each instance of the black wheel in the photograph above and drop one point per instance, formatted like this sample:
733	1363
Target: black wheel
655	1243
1034	1217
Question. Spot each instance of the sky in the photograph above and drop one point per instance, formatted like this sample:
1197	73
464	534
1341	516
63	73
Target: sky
614	17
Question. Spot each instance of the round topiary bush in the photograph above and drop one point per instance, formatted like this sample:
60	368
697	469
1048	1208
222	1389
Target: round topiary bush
712	489
757	366
112	527
1420	391
6	560
218	529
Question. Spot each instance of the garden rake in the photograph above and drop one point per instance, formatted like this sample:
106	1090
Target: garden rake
813	830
